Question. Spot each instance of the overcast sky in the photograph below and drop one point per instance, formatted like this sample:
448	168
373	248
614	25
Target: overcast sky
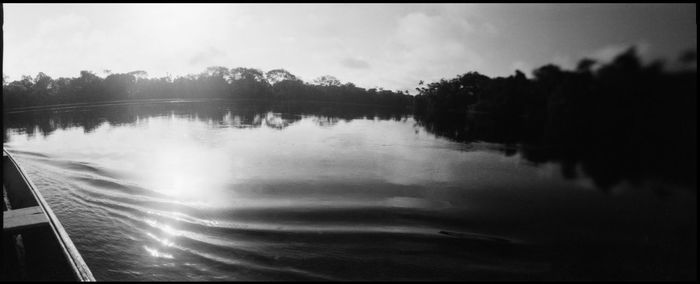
388	45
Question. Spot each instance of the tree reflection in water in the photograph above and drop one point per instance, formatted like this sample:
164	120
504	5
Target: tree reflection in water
608	160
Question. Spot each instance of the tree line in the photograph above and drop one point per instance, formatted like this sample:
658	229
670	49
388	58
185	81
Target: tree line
215	82
620	119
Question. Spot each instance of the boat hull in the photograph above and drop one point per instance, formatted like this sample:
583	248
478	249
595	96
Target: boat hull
35	244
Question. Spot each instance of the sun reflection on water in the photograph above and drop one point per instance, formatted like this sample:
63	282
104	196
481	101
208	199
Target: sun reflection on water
180	217
176	172
163	227
163	241
184	170
155	253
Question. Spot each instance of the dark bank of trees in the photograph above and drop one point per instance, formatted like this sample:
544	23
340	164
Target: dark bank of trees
276	85
620	120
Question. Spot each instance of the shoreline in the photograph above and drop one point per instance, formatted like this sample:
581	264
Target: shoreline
171	100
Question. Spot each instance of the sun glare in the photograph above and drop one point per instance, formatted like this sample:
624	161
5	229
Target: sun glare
176	171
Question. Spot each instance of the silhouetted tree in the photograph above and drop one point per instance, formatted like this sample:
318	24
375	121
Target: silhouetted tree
278	75
327	80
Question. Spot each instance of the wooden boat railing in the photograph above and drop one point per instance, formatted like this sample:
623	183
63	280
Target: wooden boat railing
24	209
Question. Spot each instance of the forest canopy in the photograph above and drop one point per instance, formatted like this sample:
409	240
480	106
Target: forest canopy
215	82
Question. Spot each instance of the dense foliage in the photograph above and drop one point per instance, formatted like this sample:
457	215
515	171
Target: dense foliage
216	82
620	119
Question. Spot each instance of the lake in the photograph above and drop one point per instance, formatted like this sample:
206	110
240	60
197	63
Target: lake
236	191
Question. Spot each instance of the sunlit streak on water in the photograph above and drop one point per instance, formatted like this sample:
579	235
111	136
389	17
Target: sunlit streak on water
163	227
156	253
163	241
184	218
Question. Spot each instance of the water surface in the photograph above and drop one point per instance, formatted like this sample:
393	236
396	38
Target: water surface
232	191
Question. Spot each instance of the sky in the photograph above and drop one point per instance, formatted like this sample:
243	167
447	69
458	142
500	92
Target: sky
393	46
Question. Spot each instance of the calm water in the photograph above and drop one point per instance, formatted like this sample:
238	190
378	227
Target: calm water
217	191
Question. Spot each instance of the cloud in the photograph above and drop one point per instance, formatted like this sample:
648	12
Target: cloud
428	48
490	29
563	61
56	26
421	29
609	52
209	56
355	63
